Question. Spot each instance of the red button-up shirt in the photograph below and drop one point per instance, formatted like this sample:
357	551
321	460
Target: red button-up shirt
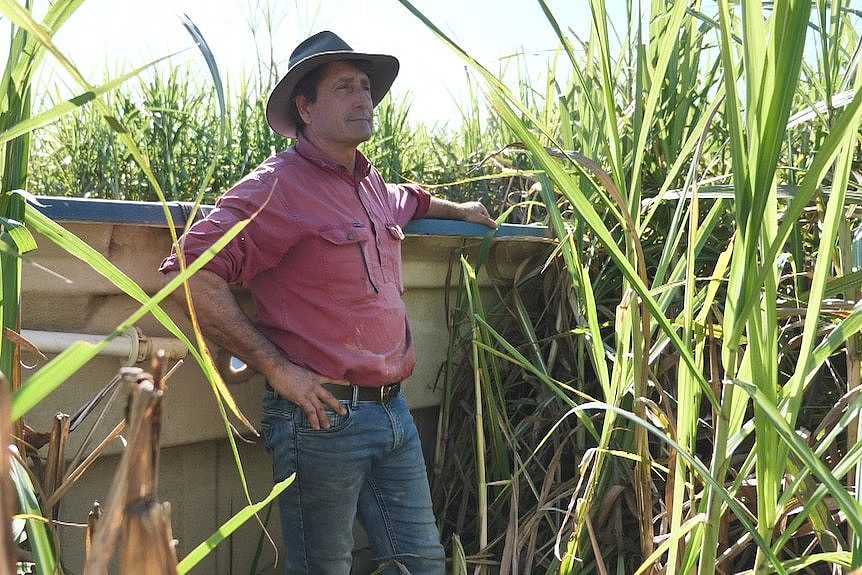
322	261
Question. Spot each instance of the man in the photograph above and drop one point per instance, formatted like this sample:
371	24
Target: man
322	260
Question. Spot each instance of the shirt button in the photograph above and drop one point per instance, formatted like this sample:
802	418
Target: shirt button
350	236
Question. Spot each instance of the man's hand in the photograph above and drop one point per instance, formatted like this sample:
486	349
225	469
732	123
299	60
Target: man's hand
305	388
476	212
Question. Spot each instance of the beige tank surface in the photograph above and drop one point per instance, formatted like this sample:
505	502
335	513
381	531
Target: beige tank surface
198	476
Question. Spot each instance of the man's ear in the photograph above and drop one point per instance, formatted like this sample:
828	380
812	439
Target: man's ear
302	103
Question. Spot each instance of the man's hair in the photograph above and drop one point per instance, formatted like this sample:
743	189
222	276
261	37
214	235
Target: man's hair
308	84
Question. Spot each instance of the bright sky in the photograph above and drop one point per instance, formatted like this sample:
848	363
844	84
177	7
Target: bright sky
119	35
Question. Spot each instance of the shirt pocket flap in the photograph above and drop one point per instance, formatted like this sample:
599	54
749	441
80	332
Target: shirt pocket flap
345	235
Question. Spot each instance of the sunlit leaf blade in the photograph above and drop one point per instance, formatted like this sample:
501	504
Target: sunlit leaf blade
44	554
230	526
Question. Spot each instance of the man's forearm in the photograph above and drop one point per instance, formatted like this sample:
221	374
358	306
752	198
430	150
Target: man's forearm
223	321
466	211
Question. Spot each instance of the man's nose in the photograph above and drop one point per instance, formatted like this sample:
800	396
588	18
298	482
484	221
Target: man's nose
364	99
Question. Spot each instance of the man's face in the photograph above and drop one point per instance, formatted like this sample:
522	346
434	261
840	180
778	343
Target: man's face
342	114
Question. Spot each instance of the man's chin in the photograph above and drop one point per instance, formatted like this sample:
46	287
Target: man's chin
365	134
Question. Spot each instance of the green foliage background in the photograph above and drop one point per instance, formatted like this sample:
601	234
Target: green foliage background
676	389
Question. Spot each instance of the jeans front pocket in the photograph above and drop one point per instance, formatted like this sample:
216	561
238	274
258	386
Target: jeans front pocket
279	434
336	422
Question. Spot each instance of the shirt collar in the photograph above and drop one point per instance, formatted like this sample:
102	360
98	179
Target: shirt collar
316	156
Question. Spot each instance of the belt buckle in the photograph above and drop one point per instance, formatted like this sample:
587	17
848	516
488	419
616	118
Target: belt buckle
387	392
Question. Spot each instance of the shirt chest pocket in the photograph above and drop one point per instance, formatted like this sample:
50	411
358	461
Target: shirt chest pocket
349	263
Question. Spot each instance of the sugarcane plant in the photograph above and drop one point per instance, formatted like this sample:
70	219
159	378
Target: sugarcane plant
698	171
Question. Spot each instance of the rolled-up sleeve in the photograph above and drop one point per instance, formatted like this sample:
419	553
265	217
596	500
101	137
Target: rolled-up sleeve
411	202
258	247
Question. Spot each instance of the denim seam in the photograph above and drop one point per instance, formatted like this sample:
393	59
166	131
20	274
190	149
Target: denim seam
387	521
297	484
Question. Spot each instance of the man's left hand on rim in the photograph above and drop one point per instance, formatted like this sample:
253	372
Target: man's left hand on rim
477	213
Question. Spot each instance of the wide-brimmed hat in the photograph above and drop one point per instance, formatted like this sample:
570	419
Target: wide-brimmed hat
319	49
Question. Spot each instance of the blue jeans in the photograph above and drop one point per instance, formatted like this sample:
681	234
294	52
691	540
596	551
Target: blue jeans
369	463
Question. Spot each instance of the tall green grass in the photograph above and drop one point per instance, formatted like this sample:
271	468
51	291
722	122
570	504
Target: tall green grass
25	53
674	390
695	316
170	114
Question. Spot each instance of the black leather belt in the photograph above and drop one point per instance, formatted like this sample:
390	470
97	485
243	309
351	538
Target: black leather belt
383	394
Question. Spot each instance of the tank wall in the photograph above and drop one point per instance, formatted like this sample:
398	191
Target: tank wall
197	473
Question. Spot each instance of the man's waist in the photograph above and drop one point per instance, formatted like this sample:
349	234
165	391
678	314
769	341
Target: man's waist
387	359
